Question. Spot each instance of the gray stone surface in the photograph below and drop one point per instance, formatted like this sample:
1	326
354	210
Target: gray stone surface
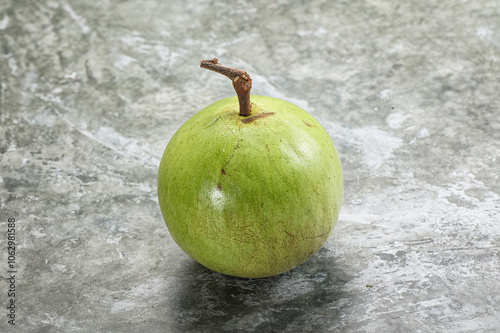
91	92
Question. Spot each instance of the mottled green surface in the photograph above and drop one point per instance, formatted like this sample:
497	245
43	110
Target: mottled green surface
251	196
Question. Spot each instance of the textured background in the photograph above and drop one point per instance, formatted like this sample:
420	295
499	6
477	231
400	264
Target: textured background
91	93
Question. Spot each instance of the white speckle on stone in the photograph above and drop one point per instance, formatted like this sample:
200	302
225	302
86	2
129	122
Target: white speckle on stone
320	32
144	187
373	144
150	289
394	120
4	23
385	94
38	233
124	61
13	65
484	33
397	48
73	76
120	253
376	145
356	201
422	133
113	239
110	138
59	268
80	21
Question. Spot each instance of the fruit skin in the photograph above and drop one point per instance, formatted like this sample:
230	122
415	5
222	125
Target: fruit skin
250	196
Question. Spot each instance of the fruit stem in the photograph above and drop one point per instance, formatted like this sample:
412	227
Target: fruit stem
242	82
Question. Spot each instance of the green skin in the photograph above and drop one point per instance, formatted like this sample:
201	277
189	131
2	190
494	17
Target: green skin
250	196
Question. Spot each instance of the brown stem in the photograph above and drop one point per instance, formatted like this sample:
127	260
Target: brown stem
242	82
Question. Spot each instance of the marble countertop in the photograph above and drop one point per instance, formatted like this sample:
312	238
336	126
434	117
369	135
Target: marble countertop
91	93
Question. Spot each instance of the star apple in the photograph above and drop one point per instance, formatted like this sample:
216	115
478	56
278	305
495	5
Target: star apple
250	186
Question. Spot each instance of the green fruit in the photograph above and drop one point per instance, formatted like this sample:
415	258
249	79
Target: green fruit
250	196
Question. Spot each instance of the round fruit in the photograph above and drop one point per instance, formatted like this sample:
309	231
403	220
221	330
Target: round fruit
250	195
